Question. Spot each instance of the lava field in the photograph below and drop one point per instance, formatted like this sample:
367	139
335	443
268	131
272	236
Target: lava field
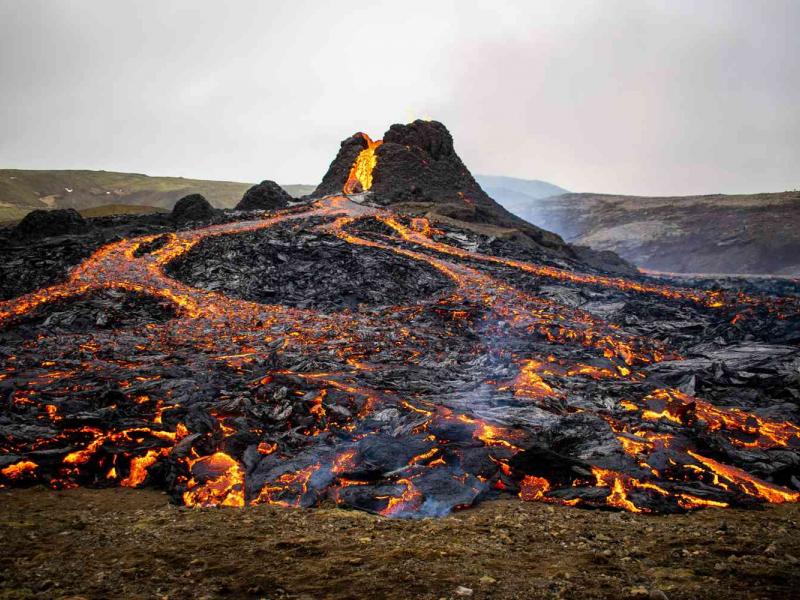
339	351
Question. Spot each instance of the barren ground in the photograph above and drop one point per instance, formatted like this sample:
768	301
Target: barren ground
748	233
120	543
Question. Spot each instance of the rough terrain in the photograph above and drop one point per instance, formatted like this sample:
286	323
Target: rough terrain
22	191
365	351
749	233
119	543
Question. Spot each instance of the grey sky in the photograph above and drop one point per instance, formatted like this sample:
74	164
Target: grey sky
631	97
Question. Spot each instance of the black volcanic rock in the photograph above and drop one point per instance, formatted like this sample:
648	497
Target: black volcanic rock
281	266
267	195
417	163
45	223
339	170
430	136
105	309
193	207
420	396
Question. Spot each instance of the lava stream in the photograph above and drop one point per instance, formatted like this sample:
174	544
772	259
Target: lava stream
336	418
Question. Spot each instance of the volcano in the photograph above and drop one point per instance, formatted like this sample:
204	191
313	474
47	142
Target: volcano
396	343
415	168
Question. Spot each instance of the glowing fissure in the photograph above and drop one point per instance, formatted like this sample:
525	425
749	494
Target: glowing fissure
360	177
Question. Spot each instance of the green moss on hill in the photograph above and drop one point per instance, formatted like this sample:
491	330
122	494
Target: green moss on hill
24	190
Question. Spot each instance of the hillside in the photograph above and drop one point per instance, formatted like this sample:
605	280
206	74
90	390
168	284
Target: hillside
106	210
22	191
753	233
514	193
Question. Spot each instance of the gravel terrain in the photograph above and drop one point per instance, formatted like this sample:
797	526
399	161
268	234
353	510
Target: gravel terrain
120	543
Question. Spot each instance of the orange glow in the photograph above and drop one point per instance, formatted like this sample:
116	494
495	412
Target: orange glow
360	177
294	482
533	488
236	333
139	466
619	495
680	407
422	226
226	488
491	435
344	462
19	469
689	502
747	483
266	448
529	383
633	446
409	500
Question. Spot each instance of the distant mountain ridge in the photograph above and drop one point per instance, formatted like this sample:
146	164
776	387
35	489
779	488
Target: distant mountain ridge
22	191
715	233
516	194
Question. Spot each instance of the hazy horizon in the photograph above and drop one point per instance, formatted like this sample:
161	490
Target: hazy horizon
651	98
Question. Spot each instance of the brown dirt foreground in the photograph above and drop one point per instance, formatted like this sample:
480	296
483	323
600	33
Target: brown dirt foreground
120	543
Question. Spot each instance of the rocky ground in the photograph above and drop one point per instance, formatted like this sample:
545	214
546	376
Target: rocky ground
405	362
119	543
305	269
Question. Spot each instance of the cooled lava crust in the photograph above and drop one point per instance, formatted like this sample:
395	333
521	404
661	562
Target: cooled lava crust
294	266
337	351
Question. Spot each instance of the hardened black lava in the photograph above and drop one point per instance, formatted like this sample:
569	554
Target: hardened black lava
337	351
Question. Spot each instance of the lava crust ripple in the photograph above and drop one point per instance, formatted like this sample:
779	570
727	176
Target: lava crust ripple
293	265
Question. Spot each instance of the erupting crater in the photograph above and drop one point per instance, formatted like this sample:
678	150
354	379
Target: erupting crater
360	177
436	397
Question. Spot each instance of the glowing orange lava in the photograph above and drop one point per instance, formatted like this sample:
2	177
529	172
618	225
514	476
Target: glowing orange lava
236	334
360	177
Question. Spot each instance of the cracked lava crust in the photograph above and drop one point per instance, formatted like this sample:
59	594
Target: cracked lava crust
401	370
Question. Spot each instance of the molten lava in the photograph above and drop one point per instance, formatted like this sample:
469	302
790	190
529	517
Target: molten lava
220	482
360	177
291	406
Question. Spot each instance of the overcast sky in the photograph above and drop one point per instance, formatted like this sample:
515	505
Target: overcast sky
634	97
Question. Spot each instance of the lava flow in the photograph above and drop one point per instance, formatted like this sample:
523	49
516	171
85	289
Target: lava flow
483	388
360	177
